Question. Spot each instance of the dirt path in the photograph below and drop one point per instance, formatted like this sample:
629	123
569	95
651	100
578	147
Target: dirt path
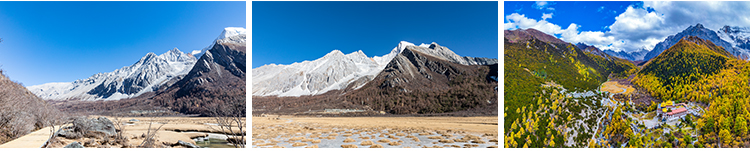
32	140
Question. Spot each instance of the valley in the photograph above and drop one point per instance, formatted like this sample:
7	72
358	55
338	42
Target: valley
172	100
426	95
690	95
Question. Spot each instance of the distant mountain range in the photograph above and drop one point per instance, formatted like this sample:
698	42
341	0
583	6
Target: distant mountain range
411	79
336	71
735	40
146	75
633	56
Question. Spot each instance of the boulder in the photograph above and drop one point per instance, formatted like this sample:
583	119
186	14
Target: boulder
96	127
74	145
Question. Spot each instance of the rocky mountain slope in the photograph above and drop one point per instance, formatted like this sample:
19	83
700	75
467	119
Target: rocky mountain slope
418	82
336	71
146	75
21	112
218	78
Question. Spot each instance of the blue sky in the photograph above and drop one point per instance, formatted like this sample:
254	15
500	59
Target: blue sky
622	25
288	32
65	41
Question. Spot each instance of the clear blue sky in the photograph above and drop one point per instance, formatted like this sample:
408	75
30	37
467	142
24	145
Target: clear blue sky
65	41
288	32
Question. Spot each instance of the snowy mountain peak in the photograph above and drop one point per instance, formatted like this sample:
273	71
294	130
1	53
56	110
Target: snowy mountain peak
232	31
402	45
698	26
175	55
148	56
175	51
425	45
334	53
357	54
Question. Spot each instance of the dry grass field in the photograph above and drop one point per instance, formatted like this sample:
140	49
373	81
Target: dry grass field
365	132
614	87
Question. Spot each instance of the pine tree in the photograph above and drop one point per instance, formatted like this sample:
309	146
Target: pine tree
740	126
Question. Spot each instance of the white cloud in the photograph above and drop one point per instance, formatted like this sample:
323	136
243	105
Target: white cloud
569	34
545	16
600	9
516	20
541	5
638	28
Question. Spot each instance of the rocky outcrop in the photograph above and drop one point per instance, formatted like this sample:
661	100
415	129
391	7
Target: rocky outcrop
90	128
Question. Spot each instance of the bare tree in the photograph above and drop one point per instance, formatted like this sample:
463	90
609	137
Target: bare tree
119	138
149	141
56	126
230	117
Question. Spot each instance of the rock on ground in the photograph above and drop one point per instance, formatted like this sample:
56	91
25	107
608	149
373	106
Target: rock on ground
74	145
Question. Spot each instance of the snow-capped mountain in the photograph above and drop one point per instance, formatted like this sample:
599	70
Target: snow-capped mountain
633	56
336	71
146	75
739	38
734	40
333	71
229	34
218	77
